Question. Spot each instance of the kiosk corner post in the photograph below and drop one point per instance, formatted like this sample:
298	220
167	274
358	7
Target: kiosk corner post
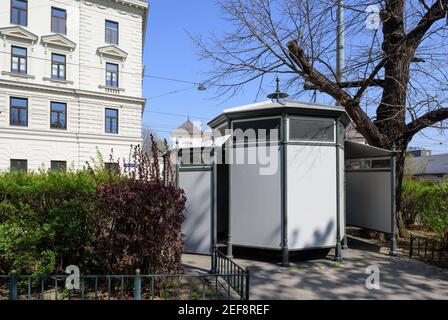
393	234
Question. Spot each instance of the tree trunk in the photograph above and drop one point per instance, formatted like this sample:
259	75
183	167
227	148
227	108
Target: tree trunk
399	174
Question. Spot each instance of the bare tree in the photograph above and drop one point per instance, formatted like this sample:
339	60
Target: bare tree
395	80
146	140
162	144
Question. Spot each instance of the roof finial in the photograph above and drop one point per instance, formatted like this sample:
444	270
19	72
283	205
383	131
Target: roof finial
277	95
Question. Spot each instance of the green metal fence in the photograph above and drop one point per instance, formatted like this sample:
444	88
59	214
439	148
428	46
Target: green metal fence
236	277
213	286
429	250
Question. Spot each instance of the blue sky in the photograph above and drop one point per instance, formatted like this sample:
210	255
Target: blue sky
170	53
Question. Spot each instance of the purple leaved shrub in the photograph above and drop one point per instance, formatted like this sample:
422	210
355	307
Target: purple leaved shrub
139	217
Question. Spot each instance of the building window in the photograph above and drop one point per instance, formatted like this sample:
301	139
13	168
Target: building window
58	20
19	12
112	75
58	166
111	120
379	164
111	167
263	130
19	165
58	118
18	112
18	60
58	66
311	130
111	32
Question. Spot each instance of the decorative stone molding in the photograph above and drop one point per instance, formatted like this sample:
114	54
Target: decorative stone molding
113	52
19	33
109	89
58	41
17	75
57	80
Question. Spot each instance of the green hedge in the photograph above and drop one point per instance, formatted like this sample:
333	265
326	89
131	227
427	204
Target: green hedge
44	220
426	204
99	221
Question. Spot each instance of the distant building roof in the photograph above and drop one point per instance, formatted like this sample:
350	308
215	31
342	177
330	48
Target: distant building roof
187	126
352	134
428	165
419	152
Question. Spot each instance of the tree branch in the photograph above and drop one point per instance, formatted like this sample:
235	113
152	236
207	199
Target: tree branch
436	12
323	84
426	120
351	84
370	79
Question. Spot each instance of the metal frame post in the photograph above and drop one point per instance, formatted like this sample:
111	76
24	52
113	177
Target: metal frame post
393	235
13	287
137	285
229	231
338	248
284	196
247	295
214	213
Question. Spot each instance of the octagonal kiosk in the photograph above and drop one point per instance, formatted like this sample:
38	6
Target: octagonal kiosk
283	177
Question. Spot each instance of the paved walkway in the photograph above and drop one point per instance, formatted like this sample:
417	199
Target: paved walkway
400	278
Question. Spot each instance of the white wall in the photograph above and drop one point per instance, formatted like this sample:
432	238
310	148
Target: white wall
311	198
196	227
86	101
85	131
255	205
91	33
85	27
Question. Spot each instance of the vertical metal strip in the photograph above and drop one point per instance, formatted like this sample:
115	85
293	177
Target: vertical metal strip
338	248
284	191
230	162
213	207
393	240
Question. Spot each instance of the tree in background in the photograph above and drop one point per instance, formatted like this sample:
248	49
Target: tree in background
395	78
162	144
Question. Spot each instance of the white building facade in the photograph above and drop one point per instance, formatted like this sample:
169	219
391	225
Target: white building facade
71	76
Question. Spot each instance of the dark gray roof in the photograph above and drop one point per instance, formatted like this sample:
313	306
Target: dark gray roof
270	108
435	164
355	150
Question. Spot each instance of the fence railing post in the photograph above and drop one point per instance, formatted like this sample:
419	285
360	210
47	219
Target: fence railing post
137	285
247	284
411	246
214	260
13	286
